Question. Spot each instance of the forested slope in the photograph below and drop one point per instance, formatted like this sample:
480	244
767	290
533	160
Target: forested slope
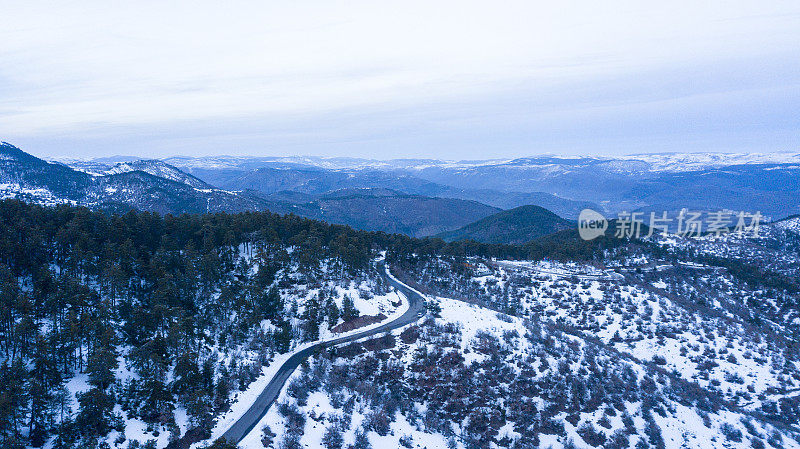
116	323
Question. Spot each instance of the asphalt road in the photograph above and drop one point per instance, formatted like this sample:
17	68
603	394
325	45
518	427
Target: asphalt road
253	415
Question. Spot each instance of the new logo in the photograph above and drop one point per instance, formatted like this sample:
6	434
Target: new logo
591	224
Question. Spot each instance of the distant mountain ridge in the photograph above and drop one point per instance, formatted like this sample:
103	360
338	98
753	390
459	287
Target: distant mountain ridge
156	186
766	182
515	226
650	162
316	181
308	186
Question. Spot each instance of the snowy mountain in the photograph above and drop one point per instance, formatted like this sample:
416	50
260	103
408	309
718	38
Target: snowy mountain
790	224
647	182
159	169
156	186
634	163
768	183
682	162
142	185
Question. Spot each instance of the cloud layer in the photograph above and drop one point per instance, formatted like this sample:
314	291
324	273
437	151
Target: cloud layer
392	79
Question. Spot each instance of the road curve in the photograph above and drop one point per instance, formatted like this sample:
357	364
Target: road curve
238	430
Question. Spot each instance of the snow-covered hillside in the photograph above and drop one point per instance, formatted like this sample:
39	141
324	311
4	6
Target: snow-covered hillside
255	366
653	324
716	316
456	375
144	185
33	195
790	224
159	169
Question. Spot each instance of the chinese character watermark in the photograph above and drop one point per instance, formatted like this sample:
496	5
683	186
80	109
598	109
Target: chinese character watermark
686	223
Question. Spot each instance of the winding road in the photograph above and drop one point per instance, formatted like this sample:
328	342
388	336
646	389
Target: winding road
238	430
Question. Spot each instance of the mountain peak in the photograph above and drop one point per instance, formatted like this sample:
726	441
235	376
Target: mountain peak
160	169
514	226
10	152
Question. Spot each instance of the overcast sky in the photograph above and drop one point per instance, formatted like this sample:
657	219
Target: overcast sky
443	79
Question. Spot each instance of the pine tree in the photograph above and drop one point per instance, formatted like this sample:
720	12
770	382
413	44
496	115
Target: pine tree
267	437
361	441
283	337
62	407
222	389
186	374
13	400
332	311
311	316
158	403
96	414
221	443
332	439
102	362
270	303
349	311
44	379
